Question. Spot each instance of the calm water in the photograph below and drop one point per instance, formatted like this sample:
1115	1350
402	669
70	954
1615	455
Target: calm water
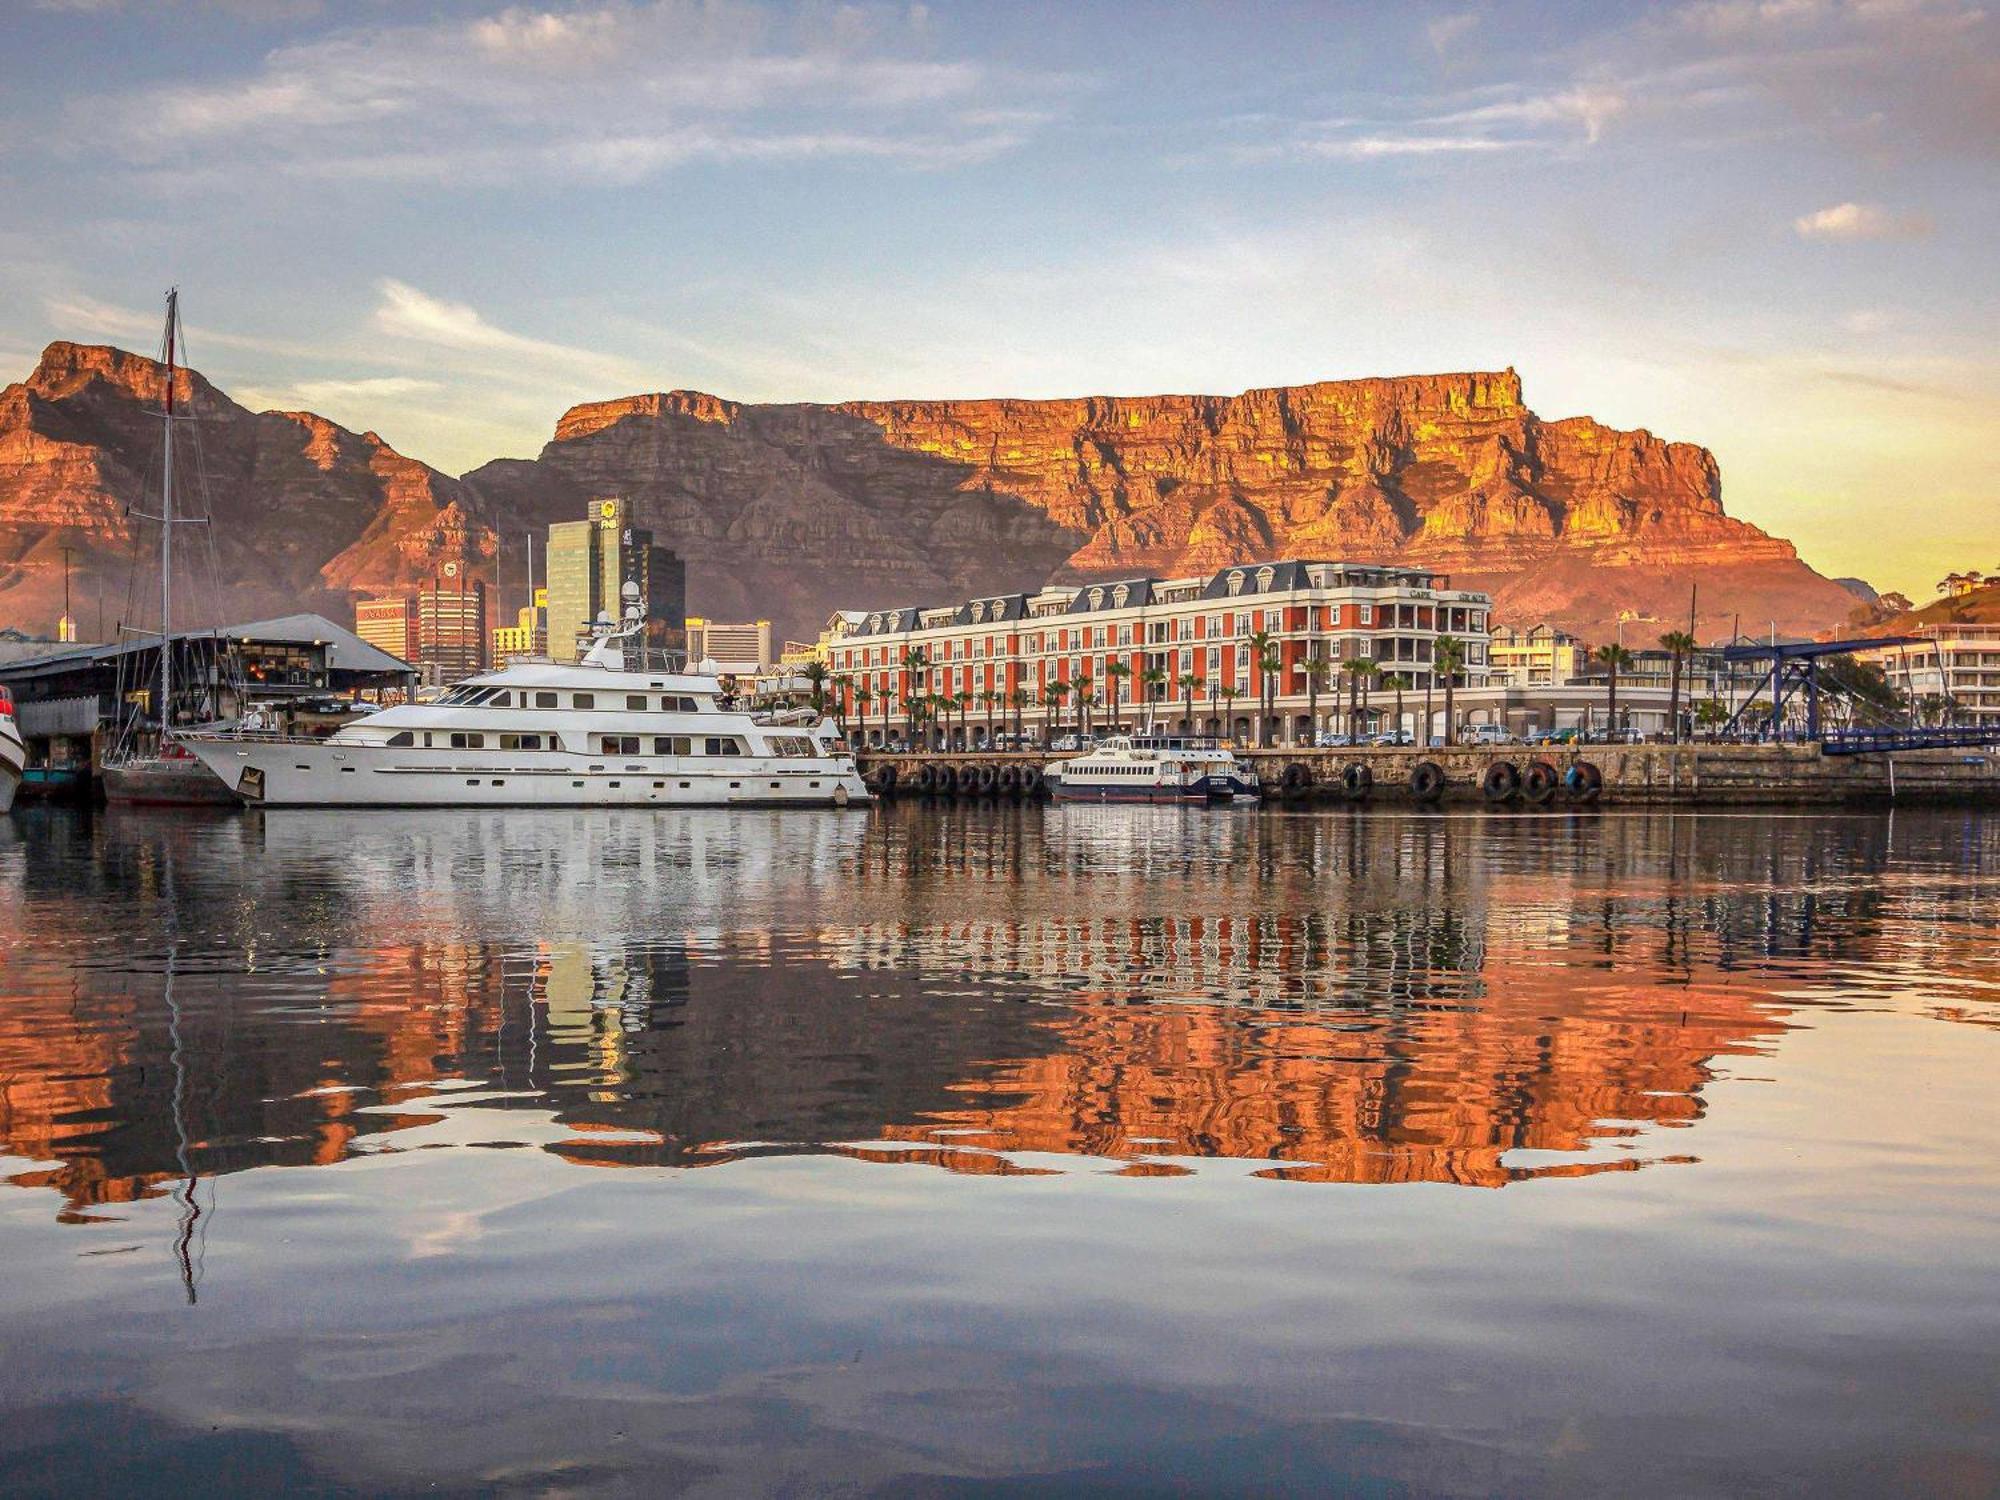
960	1152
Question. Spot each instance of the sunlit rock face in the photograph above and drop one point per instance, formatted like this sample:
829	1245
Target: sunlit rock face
303	510
791	511
794	510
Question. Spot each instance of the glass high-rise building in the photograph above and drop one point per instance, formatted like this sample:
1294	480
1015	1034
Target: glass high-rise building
590	562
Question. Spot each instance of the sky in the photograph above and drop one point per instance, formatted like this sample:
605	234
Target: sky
1766	226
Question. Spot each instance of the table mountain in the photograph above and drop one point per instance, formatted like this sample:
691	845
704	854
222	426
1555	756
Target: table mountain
792	510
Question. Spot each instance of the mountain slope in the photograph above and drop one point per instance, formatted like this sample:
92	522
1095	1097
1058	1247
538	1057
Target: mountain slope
302	510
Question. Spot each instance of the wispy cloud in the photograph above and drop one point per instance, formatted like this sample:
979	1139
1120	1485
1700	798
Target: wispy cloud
613	90
76	315
1861	221
410	314
1446	31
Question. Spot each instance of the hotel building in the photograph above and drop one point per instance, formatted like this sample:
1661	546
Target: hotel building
389	623
1958	664
732	650
1174	639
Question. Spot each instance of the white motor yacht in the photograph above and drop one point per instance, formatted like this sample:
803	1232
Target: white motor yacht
13	753
1152	768
624	727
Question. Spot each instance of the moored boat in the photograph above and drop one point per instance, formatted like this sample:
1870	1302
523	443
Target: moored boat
623	727
1152	768
13	752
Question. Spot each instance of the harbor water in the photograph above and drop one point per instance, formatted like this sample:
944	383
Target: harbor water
961	1150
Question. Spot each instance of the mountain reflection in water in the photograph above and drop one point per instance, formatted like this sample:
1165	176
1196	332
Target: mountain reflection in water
1371	999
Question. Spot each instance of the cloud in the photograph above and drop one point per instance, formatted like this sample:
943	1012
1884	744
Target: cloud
1361	148
413	315
1861	221
1590	106
610	91
77	314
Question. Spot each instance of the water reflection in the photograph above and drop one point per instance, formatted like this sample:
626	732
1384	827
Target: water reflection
1466	1000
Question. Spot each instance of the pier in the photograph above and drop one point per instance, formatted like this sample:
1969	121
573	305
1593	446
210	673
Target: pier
1711	774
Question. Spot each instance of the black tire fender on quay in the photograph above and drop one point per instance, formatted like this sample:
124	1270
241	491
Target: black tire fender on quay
1297	778
984	780
1427	780
1539	782
947	781
1583	781
1008	782
1358	780
1501	782
926	778
1031	780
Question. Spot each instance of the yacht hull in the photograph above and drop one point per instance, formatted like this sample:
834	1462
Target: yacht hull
325	773
13	761
165	783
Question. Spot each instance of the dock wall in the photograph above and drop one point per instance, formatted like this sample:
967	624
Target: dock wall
1710	774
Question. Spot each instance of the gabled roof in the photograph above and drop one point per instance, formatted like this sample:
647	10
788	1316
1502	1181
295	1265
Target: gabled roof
1119	593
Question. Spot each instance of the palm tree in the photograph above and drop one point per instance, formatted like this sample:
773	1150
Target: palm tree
1317	669
1430	677
986	697
863	695
1229	697
1260	646
1052	700
914	661
1267	682
1188	683
815	675
1080	690
1156	681
1115	672
1356	668
1679	645
1398	683
1448	657
1615	657
1017	699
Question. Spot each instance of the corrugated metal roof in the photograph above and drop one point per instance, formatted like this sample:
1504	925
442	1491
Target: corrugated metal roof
349	652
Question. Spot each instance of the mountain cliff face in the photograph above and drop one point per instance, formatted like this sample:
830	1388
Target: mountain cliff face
791	511
302	510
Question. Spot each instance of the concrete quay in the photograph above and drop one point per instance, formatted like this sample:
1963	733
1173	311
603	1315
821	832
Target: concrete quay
1705	774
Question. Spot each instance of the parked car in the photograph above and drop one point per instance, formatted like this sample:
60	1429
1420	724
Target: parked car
1490	734
1327	740
1064	744
1394	737
1554	737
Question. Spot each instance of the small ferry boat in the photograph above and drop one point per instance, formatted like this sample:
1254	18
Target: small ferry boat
1152	768
13	753
624	727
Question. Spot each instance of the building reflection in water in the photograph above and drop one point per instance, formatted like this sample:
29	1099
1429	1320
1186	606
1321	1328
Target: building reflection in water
1331	998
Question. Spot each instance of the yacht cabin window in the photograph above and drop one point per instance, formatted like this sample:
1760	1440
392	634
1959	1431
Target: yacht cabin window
545	700
461	741
583	700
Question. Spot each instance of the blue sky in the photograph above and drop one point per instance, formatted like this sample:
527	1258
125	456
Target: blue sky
1763	225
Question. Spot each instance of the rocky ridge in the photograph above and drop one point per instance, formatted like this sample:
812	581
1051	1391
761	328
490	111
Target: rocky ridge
791	510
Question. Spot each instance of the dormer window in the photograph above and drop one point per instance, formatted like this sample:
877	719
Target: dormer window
1264	577
1096	597
1120	594
1234	581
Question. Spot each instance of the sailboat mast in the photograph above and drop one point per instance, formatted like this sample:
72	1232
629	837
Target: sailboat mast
167	530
